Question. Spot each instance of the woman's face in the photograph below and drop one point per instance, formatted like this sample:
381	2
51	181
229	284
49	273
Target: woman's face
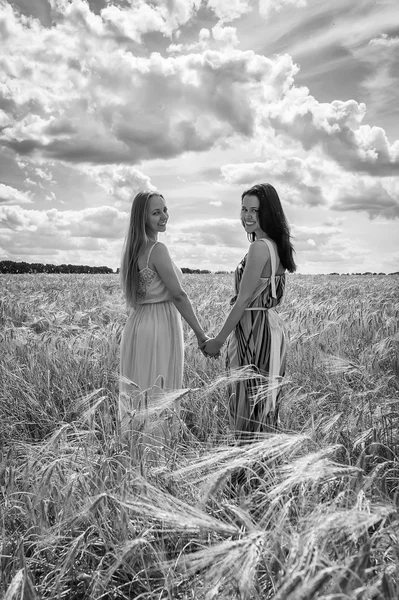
250	215
157	215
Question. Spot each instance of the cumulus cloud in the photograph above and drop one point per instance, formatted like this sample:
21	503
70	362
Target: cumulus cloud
104	222
88	236
301	176
222	37
77	96
226	35
126	22
122	182
313	181
375	197
43	174
385	41
223	242
228	11
85	98
266	6
336	127
10	195
106	105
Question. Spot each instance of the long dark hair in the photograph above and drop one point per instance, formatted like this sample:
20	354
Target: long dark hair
273	222
135	243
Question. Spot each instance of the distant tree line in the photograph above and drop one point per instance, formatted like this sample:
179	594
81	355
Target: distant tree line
366	273
195	271
9	266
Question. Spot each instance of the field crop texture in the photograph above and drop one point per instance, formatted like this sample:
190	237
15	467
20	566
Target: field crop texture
310	512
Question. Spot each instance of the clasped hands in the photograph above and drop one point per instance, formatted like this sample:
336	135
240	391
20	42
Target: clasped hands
210	347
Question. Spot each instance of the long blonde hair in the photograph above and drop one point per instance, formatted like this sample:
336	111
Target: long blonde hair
135	243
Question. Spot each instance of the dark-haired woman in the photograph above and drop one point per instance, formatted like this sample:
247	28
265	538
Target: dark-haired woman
257	336
151	353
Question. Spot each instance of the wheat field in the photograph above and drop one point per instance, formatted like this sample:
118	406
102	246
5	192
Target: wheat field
310	512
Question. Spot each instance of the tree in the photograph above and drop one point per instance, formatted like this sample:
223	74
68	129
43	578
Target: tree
9	266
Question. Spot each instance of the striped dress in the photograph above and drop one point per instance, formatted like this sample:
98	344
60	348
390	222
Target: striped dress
258	341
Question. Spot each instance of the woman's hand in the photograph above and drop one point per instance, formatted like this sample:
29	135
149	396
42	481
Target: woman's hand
202	340
212	347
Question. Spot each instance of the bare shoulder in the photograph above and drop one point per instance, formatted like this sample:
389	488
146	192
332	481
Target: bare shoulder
160	255
160	249
258	250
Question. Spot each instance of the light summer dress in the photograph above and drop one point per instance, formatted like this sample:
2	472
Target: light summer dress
151	356
258	341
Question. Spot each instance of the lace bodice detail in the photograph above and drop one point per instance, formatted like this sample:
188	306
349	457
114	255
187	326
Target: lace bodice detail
151	288
146	276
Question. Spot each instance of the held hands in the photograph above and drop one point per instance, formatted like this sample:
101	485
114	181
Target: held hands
211	347
202	340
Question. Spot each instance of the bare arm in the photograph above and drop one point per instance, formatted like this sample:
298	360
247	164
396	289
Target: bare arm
163	265
258	255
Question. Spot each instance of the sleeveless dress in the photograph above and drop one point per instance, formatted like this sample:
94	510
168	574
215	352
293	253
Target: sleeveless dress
151	359
258	341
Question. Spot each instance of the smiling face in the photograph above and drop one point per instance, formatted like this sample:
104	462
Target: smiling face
157	216
250	215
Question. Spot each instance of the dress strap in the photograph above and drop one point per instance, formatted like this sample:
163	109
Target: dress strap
273	260
149	254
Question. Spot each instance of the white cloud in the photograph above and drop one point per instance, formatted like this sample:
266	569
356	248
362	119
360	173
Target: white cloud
385	41
230	10
104	222
315	181
337	128
174	48
134	22
43	174
301	178
122	182
79	97
204	35
84	111
226	35
10	195
266	6
375	197
127	23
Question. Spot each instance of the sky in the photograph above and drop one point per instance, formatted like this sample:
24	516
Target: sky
200	99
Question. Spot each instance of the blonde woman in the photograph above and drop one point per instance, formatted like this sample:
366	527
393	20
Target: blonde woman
255	331
151	352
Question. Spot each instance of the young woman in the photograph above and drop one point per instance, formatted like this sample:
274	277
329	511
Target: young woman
257	332
151	353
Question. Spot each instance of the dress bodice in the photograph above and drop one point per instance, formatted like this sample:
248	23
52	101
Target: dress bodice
269	290
151	287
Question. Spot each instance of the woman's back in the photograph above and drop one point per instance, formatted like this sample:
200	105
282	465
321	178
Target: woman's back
151	288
